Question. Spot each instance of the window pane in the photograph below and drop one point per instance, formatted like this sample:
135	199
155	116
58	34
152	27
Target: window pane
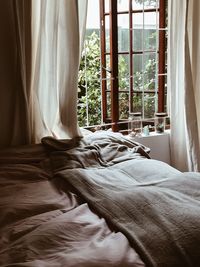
150	39
165	100
108	85
107	32
146	4
137	102
137	31
93	14
123	105
137	4
107	66
150	70
150	64
149	105
108	105
94	105
106	4
123	32
82	114
151	3
137	63
166	57
124	83
123	63
151	20
137	72
122	5
150	82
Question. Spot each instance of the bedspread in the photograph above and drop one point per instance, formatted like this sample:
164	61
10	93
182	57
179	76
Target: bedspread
157	207
44	223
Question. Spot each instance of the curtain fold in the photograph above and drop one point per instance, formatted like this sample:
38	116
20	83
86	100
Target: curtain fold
57	38
183	84
40	51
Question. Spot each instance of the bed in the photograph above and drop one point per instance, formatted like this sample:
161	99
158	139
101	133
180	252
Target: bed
93	202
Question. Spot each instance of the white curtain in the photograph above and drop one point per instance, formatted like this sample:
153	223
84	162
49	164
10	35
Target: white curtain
184	83
58	30
40	50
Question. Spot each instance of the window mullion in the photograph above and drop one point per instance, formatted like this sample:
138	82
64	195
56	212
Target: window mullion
103	60
114	65
161	66
130	58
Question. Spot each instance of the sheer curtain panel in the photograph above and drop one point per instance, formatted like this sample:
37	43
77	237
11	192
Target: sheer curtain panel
57	33
184	83
40	50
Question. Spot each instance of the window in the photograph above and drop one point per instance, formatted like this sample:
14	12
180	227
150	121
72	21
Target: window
123	64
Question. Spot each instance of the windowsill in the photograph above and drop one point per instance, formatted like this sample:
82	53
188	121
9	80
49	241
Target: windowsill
166	132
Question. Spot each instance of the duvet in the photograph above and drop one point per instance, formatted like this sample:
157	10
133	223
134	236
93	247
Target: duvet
97	202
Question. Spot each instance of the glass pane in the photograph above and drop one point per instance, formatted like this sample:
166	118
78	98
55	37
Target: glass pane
165	100
136	4
108	105
137	102
94	105
150	39
150	65
82	114
122	5
92	61
166	57
123	32
151	3
151	20
166	13
150	82
137	63
124	83
144	4
93	15
107	66
107	32
123	105
137	31
106	3
165	83
137	72
123	65
108	85
149	105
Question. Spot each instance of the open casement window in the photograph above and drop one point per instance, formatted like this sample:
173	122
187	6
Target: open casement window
133	53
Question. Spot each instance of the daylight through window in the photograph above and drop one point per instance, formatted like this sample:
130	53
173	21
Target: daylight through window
123	67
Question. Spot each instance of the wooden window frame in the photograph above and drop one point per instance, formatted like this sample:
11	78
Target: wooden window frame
113	53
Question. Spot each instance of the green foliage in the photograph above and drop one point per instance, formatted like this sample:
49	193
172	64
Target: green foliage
89	102
89	78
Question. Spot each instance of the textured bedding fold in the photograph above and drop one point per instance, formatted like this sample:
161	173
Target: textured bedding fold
159	211
44	223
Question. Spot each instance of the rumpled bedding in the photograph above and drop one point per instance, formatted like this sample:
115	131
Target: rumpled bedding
58	206
44	222
158	210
